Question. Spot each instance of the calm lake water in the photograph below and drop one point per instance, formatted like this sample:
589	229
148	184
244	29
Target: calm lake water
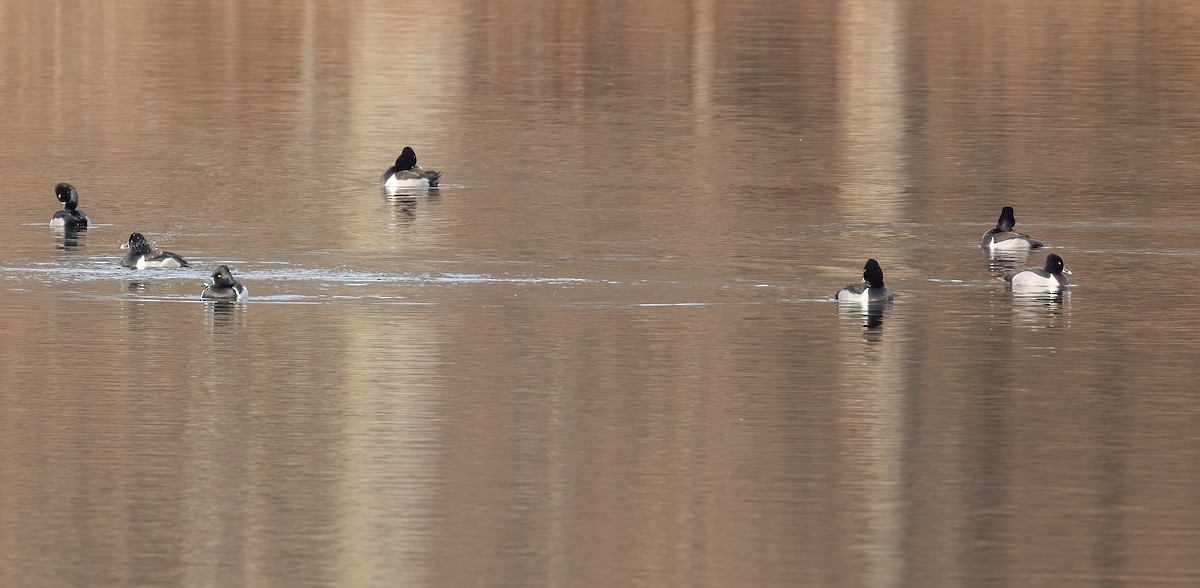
604	352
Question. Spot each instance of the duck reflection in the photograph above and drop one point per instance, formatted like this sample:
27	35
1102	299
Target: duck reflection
870	314
1001	263
404	208
1041	308
133	313
404	201
66	238
225	316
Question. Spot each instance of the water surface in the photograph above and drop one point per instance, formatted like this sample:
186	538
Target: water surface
604	353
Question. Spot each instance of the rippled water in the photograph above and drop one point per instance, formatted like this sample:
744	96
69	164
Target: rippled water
605	352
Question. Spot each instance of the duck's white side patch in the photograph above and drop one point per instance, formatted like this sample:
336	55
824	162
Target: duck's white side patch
392	182
1028	279
845	295
1016	244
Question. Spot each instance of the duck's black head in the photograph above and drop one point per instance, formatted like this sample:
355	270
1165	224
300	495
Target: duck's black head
1054	264
407	159
1007	220
223	278
67	195
138	244
873	274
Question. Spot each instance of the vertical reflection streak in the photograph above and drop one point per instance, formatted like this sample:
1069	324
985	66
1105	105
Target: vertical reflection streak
871	146
703	63
871	109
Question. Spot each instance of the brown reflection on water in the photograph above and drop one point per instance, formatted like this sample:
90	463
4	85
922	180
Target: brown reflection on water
871	104
692	410
641	462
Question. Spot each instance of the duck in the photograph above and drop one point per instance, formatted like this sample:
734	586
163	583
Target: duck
1051	276
141	255
407	174
70	217
223	286
871	289
1002	237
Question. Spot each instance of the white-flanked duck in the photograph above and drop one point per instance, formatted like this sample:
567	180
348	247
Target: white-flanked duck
142	256
70	217
871	289
407	174
1052	276
1002	237
223	286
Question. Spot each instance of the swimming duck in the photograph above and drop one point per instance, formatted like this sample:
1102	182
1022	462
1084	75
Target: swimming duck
1053	275
70	217
224	287
142	256
871	289
1003	238
407	174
